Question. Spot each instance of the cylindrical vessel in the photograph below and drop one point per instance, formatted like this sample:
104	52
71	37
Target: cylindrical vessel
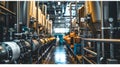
94	10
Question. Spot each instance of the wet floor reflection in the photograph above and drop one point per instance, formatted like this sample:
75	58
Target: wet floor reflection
60	55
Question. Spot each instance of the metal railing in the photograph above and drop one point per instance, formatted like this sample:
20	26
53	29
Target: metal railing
46	51
97	53
72	53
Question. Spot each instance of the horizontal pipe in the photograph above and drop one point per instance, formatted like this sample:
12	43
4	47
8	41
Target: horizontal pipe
2	13
48	56
92	52
43	54
101	40
87	60
41	57
7	10
110	28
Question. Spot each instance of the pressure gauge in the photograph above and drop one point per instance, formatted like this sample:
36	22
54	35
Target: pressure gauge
110	20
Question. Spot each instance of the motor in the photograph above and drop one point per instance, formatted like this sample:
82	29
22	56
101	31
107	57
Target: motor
14	51
10	52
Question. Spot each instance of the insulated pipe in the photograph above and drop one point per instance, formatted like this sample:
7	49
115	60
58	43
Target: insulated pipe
87	60
90	51
23	9
101	40
24	12
105	10
18	15
28	11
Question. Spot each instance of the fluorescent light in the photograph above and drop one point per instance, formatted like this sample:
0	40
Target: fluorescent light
59	3
59	12
58	20
59	17
61	30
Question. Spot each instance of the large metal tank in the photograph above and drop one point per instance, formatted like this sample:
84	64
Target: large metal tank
94	10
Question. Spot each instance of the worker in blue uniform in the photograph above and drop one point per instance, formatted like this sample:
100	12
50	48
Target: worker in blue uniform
77	45
74	42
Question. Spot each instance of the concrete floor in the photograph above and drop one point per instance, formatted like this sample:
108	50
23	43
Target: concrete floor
59	55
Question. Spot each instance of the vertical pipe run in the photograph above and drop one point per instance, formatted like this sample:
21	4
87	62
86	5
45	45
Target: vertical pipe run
111	45
98	52
77	18
111	51
102	25
83	51
7	24
18	8
24	12
37	17
28	11
114	23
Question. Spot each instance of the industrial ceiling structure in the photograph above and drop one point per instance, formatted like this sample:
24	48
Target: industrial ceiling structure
59	12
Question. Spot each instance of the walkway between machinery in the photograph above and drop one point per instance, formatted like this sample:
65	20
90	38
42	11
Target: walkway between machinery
60	55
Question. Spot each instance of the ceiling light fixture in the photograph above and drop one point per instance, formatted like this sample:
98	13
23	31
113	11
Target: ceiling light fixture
59	21
59	17
59	3
59	12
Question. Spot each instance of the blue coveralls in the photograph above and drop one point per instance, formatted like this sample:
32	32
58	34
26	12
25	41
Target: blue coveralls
77	48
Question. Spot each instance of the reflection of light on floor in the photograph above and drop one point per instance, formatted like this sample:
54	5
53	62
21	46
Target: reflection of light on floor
60	55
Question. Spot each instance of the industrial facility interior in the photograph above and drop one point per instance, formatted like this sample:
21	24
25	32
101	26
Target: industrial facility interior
59	32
